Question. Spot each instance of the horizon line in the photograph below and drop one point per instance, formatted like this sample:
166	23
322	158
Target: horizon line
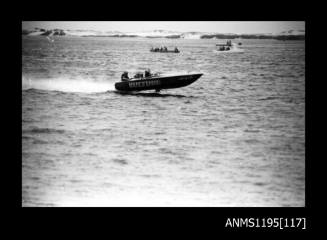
254	33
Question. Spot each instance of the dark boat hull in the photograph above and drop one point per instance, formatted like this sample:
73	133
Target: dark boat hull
168	51
157	83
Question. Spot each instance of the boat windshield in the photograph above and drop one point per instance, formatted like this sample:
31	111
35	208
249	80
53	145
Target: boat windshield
143	75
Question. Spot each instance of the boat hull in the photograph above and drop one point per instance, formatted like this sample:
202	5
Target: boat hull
168	51
157	83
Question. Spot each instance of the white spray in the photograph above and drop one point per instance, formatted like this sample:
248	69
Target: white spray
67	85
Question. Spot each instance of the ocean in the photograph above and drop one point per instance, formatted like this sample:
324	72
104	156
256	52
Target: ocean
233	138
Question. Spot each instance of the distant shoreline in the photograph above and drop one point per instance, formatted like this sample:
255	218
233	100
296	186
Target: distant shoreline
190	35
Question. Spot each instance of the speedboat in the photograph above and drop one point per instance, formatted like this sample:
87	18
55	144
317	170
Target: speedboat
157	82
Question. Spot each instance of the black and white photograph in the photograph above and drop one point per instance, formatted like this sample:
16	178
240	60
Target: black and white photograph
163	113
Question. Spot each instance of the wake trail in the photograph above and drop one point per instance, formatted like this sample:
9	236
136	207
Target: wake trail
67	85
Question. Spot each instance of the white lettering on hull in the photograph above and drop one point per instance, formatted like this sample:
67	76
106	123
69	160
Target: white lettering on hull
142	84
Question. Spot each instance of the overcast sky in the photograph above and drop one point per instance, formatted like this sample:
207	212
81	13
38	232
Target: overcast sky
182	26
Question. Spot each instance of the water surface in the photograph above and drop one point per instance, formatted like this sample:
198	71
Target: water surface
235	137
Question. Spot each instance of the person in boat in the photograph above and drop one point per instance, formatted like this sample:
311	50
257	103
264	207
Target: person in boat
147	73
138	75
176	49
165	49
124	77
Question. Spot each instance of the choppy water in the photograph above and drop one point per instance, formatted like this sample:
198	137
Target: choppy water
235	137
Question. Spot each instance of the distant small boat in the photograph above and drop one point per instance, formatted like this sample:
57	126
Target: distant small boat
164	50
225	47
229	46
157	82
